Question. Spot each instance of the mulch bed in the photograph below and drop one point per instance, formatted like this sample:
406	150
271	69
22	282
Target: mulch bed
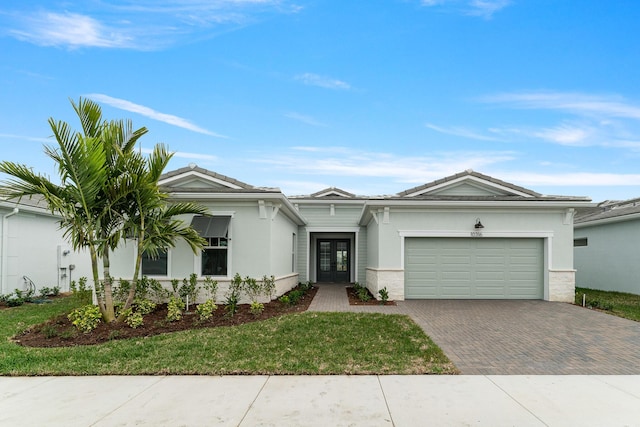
59	332
355	300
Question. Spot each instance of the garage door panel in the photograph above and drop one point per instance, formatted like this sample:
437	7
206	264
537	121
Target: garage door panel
473	268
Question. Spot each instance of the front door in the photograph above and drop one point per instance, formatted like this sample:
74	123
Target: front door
333	260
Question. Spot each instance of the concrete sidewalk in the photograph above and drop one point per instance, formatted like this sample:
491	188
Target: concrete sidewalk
321	401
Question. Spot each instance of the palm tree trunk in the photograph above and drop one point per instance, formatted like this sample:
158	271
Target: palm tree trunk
136	273
109	313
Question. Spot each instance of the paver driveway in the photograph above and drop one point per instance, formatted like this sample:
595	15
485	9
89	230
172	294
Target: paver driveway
515	337
529	337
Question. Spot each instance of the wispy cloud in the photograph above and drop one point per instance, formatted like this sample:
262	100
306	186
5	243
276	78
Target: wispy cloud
69	29
125	105
462	132
482	8
304	119
584	119
25	137
322	81
407	169
486	8
578	103
135	24
576	179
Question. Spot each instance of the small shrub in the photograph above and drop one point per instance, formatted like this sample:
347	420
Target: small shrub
268	286
206	309
363	294
256	308
4	298
294	296
211	286
233	295
357	286
306	286
134	319
55	291
81	293
25	296
67	334
50	331
189	289
600	305
144	306
86	318
284	299
174	309
384	295
45	292
14	302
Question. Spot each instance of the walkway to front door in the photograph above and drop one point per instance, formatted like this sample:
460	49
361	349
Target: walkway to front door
525	337
333	260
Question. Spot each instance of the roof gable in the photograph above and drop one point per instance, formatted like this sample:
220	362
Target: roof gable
194	177
468	183
333	192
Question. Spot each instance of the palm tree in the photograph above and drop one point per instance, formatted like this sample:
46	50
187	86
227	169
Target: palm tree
83	172
108	191
150	218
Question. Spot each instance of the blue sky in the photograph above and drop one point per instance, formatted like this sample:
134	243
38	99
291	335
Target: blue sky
372	97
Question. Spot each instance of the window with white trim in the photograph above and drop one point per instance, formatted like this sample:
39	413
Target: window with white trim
155	266
215	230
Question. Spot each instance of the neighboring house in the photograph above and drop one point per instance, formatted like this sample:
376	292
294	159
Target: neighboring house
465	236
606	249
32	249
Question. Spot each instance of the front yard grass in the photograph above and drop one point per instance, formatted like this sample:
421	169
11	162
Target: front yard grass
306	343
617	303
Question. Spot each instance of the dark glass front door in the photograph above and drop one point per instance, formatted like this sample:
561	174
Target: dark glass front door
333	260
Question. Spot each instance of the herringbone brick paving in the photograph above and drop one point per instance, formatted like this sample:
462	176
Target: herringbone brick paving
497	337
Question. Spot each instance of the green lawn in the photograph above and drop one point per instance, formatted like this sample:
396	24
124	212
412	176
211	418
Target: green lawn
617	303
307	343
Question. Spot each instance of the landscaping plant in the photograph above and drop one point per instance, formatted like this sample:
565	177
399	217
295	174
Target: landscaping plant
86	318
384	295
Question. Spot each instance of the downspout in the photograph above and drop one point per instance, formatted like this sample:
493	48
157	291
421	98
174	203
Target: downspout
5	244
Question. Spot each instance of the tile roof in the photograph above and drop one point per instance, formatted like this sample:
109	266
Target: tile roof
468	172
194	168
608	209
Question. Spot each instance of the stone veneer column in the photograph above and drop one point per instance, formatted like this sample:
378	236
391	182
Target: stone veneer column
390	278
562	285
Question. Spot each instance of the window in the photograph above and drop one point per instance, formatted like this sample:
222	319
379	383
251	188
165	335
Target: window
214	257
215	230
155	266
582	241
293	253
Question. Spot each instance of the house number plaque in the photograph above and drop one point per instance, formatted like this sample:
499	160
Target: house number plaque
476	234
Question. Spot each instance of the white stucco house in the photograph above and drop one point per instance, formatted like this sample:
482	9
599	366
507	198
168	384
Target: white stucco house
33	250
465	236
606	249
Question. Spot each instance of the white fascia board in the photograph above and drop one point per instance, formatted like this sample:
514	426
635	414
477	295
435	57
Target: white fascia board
485	234
302	202
332	229
413	203
462	179
30	209
199	175
287	207
610	220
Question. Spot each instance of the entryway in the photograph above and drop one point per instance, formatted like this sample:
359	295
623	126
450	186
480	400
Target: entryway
333	260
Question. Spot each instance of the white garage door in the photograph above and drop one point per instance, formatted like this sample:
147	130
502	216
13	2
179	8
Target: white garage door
480	268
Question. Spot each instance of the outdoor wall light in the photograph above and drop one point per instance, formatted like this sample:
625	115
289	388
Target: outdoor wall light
478	224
